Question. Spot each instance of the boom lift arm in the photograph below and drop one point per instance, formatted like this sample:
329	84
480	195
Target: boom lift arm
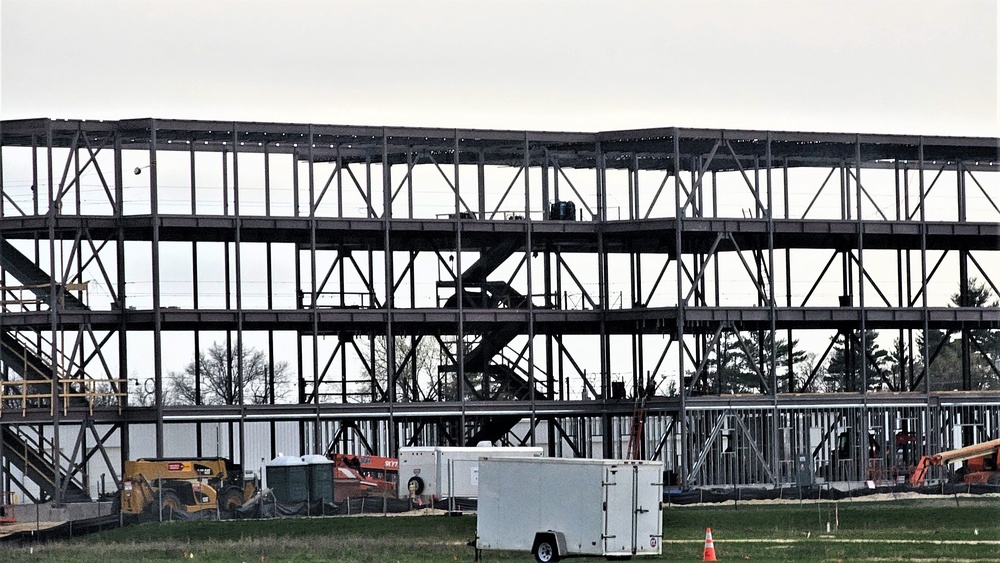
986	450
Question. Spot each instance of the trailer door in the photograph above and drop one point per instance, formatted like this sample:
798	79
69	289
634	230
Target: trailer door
632	520
647	521
617	510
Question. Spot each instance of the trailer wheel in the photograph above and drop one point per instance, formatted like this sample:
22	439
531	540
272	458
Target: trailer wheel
545	550
993	479
415	485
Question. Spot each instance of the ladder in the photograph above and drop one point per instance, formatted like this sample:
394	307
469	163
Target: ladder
634	450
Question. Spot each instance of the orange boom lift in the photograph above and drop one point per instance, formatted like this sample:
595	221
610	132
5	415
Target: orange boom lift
981	462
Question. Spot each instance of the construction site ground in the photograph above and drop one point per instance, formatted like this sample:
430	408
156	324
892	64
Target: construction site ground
18	527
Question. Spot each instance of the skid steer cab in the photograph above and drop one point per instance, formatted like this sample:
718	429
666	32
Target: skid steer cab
185	487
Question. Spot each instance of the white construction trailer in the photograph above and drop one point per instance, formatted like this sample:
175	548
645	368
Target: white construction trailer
439	472
558	507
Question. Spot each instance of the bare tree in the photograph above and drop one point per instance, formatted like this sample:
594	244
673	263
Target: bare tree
142	391
416	368
221	373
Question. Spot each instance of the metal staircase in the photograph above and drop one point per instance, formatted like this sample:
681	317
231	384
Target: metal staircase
26	357
34	279
32	456
499	380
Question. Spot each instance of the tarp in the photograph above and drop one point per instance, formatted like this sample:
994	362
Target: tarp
815	492
268	507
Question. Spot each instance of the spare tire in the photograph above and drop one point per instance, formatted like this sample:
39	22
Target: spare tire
415	485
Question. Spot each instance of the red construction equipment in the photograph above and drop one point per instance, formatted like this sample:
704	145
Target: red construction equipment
374	474
981	464
634	449
709	554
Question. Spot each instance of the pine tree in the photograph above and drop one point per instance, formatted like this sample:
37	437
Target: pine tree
848	361
946	349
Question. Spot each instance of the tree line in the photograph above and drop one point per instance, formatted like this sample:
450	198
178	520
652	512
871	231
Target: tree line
742	364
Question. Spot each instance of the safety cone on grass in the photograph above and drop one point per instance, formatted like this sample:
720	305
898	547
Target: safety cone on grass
709	547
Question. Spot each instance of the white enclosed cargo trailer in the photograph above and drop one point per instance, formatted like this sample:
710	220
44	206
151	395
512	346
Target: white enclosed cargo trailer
557	507
437	472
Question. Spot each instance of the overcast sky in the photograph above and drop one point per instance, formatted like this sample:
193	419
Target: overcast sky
879	66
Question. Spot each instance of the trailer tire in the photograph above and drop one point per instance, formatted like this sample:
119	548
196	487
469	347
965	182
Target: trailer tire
416	485
545	549
993	479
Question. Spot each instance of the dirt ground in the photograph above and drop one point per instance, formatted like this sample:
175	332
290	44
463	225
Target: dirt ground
8	529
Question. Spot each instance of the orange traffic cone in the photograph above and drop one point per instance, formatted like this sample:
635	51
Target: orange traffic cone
709	546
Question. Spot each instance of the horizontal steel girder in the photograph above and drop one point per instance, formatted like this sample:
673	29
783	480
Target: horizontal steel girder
650	236
653	320
402	411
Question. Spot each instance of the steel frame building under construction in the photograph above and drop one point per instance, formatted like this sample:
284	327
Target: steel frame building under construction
589	292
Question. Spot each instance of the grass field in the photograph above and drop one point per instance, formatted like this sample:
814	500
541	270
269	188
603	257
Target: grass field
911	530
